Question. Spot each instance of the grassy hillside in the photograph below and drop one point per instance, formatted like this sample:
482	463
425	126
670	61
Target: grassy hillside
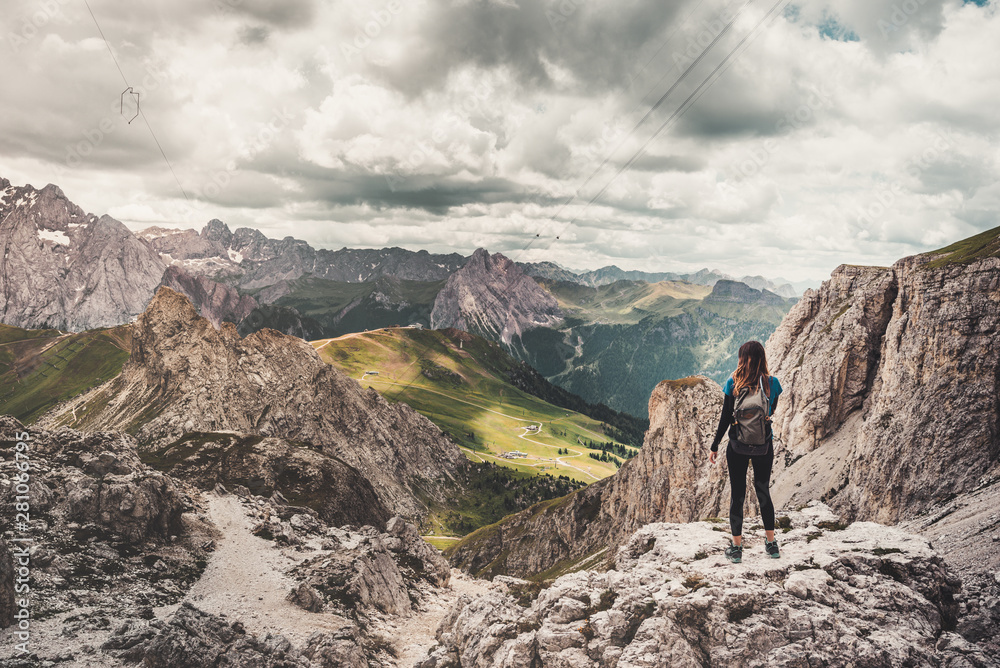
40	368
623	302
451	377
984	244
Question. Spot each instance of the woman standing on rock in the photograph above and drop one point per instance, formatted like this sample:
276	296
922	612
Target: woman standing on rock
751	395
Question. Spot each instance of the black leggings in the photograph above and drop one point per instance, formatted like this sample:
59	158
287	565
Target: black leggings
738	484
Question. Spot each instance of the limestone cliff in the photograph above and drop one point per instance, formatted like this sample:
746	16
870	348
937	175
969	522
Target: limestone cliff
185	376
891	386
491	296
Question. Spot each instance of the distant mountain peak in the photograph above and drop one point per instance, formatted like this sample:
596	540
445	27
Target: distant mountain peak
490	296
216	230
726	290
67	269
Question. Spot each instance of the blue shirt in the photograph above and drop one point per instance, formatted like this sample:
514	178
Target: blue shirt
773	397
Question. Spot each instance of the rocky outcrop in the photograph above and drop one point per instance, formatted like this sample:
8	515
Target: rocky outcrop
891	378
99	481
414	553
490	296
858	595
966	530
108	535
185	376
66	269
365	572
215	301
304	476
670	479
7	607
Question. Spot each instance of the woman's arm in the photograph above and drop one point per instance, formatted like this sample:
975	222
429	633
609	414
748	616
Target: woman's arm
725	420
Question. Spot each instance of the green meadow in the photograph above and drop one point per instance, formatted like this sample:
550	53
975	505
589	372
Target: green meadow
40	368
457	381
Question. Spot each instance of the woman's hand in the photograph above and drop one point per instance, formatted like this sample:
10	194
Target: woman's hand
712	456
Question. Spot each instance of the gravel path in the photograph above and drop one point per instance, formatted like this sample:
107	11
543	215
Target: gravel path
245	580
415	635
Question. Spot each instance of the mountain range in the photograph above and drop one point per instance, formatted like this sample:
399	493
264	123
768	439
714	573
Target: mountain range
611	274
585	332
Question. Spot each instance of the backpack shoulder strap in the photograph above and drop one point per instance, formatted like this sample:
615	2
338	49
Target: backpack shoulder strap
766	395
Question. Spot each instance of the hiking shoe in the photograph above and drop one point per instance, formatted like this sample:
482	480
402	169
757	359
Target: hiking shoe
771	547
734	553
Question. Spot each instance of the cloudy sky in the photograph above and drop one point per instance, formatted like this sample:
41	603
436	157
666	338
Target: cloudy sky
753	137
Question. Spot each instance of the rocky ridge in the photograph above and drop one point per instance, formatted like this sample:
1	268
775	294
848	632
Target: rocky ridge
297	472
185	376
612	274
490	296
857	595
63	268
255	261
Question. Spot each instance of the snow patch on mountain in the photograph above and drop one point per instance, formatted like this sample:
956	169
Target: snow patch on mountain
57	237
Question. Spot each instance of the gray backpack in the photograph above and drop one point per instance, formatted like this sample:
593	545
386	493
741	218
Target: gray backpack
750	415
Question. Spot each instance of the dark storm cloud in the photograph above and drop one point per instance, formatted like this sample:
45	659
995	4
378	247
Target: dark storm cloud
599	43
947	173
253	34
437	196
283	14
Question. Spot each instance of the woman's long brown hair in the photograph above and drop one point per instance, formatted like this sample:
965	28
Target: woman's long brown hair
752	366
